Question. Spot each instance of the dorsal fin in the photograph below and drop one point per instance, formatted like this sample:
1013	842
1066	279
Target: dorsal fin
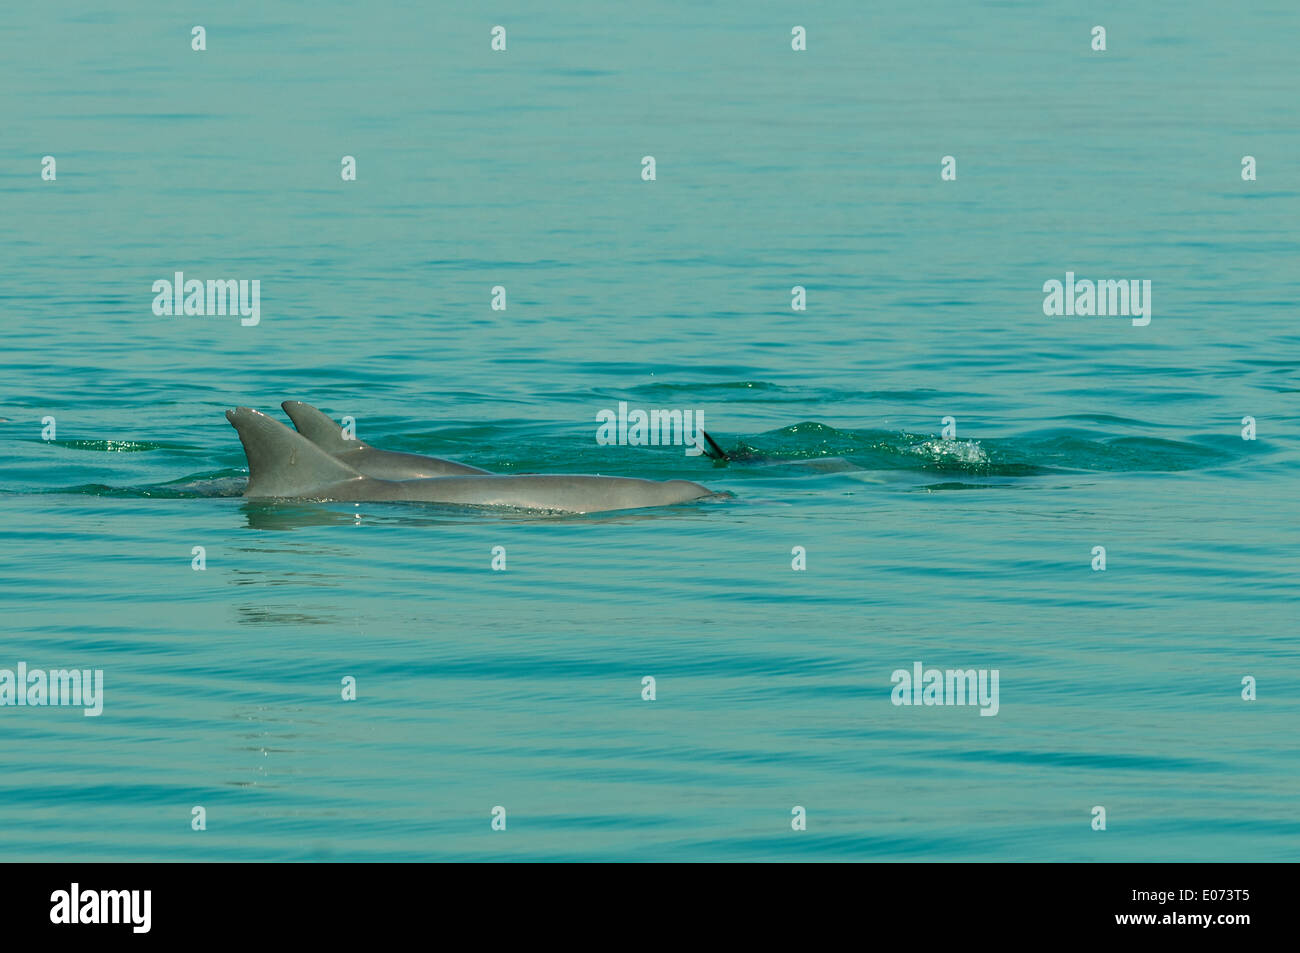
281	462
712	451
320	428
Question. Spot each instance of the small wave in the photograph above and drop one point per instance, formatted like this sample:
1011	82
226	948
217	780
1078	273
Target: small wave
186	488
118	446
965	453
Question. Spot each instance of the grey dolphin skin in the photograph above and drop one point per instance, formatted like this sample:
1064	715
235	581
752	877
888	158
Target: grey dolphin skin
373	462
283	464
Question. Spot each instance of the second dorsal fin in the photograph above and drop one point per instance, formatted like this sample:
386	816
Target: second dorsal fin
319	428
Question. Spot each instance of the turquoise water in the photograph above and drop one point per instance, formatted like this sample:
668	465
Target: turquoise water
522	688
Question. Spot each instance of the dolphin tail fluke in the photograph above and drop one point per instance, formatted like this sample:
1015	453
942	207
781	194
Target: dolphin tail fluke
711	448
282	463
319	427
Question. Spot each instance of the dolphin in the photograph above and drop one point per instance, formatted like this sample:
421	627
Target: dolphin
373	462
283	464
721	458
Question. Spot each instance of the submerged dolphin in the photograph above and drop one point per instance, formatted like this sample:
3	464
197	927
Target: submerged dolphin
373	462
721	457
286	465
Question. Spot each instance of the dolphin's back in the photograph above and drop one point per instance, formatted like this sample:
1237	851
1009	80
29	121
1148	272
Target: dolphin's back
285	464
567	493
391	465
